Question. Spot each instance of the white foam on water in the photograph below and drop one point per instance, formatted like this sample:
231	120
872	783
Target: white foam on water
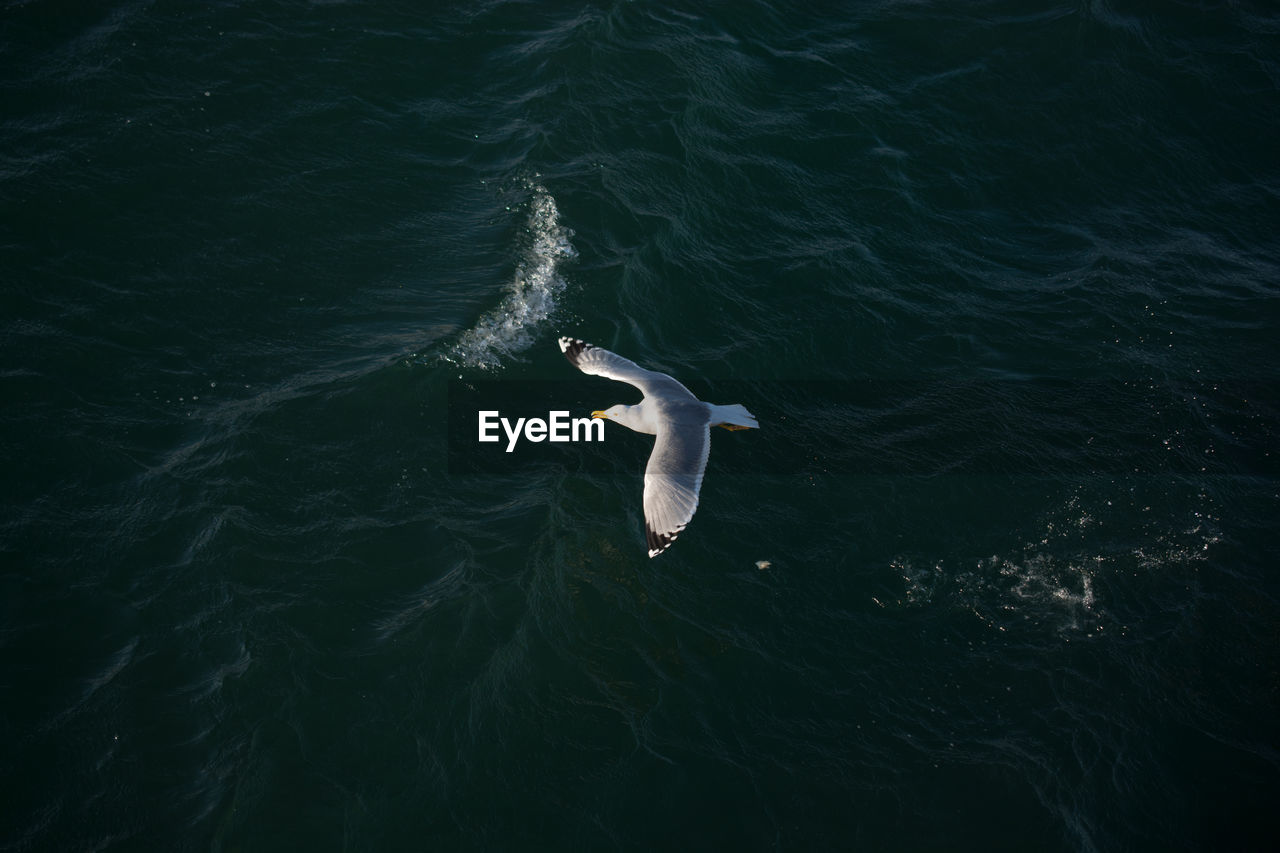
510	328
1052	580
1048	587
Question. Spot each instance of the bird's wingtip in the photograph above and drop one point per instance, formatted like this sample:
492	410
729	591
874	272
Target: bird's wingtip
572	348
659	542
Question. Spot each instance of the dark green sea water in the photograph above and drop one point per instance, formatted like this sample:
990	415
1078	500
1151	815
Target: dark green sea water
1000	280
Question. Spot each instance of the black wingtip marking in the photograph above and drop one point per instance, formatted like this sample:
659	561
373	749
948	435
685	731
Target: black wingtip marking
573	349
659	542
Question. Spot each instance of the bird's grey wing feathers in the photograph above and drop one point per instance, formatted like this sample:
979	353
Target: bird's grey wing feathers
672	480
595	361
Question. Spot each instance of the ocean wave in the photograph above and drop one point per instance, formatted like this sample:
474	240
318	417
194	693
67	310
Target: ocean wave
510	328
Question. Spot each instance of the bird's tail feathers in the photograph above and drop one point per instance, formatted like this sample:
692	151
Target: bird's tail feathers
734	416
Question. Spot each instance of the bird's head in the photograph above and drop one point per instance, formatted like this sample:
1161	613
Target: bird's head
612	413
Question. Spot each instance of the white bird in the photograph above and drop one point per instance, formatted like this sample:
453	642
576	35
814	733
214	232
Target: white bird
682	424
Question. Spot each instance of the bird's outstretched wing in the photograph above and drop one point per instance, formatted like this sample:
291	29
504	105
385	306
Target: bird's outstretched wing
595	361
672	480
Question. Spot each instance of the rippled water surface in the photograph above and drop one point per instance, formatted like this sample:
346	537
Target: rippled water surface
996	573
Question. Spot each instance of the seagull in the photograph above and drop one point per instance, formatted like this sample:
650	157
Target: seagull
682	424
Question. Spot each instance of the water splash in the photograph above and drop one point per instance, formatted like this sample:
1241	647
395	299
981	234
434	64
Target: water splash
509	329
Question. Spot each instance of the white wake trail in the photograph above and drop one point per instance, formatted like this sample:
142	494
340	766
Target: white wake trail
510	328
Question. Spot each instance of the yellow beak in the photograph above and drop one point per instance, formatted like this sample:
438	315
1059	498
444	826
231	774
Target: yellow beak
599	414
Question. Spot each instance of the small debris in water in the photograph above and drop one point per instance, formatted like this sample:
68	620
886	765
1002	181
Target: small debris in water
763	564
